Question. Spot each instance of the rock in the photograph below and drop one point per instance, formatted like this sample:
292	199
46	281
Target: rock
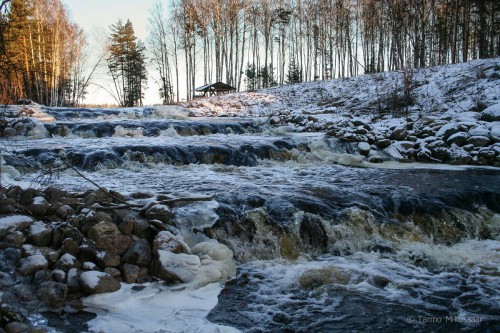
478	141
64	211
70	246
131	273
314	278
107	259
479	131
487	153
40	234
24	292
103	229
375	159
459	139
43	275
127	225
14	222
15	239
174	267
142	229
442	154
447	130
275	120
17	327
364	148
491	113
379	281
138	254
399	134
94	282
33	264
92	218
58	275
167	241
495	133
67	262
159	212
383	143
39	206
114	243
349	160
6	280
89	266
113	272
73	280
53	293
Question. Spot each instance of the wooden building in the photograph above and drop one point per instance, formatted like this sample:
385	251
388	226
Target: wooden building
217	88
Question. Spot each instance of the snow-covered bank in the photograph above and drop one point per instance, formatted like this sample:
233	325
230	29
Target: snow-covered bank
446	114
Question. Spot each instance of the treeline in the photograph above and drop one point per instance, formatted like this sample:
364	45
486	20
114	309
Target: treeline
259	43
41	53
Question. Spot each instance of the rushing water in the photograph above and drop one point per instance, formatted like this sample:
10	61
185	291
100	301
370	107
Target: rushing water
322	247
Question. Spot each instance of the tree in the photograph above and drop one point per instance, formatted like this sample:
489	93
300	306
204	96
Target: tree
126	64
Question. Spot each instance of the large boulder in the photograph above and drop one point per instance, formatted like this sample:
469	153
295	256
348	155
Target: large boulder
159	212
175	267
114	243
459	139
448	130
94	282
103	229
478	141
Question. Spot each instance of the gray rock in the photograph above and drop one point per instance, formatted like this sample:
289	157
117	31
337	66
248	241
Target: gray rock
17	327
459	139
15	239
53	293
479	131
131	273
138	254
127	225
94	282
275	120
39	206
33	264
478	141
375	159
58	275
495	133
64	211
6	280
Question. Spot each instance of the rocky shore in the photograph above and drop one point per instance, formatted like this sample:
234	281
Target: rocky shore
57	247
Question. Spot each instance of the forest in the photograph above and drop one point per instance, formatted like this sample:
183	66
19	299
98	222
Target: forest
246	44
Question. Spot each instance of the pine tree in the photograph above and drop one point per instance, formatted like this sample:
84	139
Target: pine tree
294	74
127	64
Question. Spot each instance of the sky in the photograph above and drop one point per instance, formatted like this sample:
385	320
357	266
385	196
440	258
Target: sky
92	14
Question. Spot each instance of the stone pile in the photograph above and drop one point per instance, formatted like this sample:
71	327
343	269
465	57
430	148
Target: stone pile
56	247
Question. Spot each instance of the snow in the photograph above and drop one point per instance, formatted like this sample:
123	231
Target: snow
155	308
38	228
92	278
9	222
67	259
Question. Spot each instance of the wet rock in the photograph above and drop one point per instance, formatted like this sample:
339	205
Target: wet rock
379	281
159	212
375	159
33	264
314	278
40	234
131	273
94	282
459	139
478	141
174	267
275	120
53	293
138	254
167	241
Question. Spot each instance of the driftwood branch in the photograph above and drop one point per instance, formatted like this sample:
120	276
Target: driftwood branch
168	202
